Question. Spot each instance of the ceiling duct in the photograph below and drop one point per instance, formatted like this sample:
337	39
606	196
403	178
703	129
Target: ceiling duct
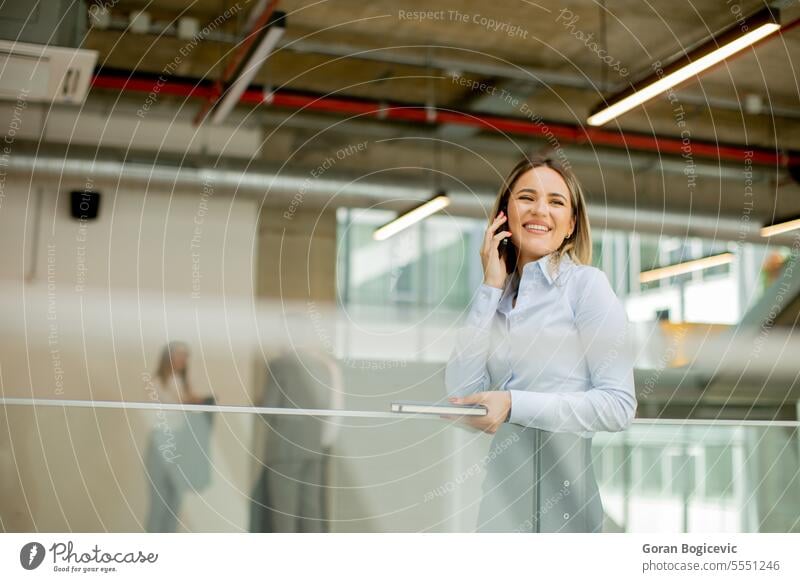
270	184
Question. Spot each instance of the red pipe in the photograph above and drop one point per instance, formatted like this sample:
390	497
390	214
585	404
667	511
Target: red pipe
419	114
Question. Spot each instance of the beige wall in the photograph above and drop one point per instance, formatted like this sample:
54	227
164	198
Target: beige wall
297	255
99	302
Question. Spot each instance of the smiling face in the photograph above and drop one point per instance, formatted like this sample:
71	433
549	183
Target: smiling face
540	213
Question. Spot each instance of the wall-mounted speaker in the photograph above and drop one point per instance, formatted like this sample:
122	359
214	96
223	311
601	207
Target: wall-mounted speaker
85	205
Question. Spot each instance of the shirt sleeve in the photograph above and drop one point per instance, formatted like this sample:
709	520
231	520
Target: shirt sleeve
466	371
609	403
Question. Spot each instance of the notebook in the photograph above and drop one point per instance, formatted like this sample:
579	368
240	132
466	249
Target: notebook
439	408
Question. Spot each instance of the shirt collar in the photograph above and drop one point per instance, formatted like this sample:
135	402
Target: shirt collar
515	281
544	265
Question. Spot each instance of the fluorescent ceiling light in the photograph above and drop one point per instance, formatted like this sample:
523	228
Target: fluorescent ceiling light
716	50
411	217
275	30
686	267
780	227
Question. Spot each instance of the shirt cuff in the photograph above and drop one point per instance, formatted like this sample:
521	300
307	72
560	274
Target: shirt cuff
484	305
527	408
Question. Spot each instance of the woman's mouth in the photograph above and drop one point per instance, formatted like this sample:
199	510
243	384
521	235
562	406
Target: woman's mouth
536	228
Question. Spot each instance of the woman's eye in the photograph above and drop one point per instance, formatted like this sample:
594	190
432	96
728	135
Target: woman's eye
558	202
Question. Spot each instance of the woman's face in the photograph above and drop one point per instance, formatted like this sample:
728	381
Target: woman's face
540	214
180	360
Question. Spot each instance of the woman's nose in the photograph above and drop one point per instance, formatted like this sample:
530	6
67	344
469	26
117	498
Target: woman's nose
539	207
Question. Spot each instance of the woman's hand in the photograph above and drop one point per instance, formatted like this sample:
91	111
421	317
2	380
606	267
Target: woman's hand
187	394
494	266
497	403
195	399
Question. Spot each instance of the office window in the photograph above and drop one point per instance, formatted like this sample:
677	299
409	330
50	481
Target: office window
719	471
597	251
650	478
715	248
433	264
682	473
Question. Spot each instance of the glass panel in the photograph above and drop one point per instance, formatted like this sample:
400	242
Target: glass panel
449	263
433	264
651	479
95	469
597	250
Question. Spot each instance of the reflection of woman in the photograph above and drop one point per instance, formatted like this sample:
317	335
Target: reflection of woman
173	388
544	349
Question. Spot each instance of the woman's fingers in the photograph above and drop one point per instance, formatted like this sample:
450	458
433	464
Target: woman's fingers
494	268
494	243
500	219
476	398
491	235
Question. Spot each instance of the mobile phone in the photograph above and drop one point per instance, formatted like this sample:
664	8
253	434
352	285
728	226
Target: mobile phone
504	210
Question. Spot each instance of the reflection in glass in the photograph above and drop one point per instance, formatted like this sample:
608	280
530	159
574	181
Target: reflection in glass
177	457
290	491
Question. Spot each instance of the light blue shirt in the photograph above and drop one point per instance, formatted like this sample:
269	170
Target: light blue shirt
562	351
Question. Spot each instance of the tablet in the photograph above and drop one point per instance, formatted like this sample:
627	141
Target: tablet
446	408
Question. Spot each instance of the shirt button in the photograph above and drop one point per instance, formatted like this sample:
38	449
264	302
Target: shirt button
566	483
566	516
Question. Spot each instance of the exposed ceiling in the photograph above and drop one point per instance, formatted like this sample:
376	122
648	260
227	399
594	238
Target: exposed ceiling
521	35
546	38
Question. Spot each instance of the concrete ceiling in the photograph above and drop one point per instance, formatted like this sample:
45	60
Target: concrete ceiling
636	34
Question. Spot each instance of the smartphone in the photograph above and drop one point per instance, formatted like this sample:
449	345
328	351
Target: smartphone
504	210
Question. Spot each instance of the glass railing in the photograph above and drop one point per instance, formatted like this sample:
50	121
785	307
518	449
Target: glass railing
696	476
122	468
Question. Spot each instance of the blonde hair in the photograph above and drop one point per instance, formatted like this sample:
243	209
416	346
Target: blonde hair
577	245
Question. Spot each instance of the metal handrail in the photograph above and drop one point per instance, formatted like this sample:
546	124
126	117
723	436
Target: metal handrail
322	412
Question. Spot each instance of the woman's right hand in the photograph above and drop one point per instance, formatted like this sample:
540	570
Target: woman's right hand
494	265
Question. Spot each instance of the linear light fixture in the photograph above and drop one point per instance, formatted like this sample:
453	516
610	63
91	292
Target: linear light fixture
780	227
730	41
685	267
413	216
275	29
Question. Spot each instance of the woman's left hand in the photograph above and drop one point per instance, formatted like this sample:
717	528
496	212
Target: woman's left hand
497	403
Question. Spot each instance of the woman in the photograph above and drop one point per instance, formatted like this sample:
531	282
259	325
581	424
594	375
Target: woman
168	431
544	350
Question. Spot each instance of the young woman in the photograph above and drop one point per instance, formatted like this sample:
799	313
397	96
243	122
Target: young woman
544	349
172	387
